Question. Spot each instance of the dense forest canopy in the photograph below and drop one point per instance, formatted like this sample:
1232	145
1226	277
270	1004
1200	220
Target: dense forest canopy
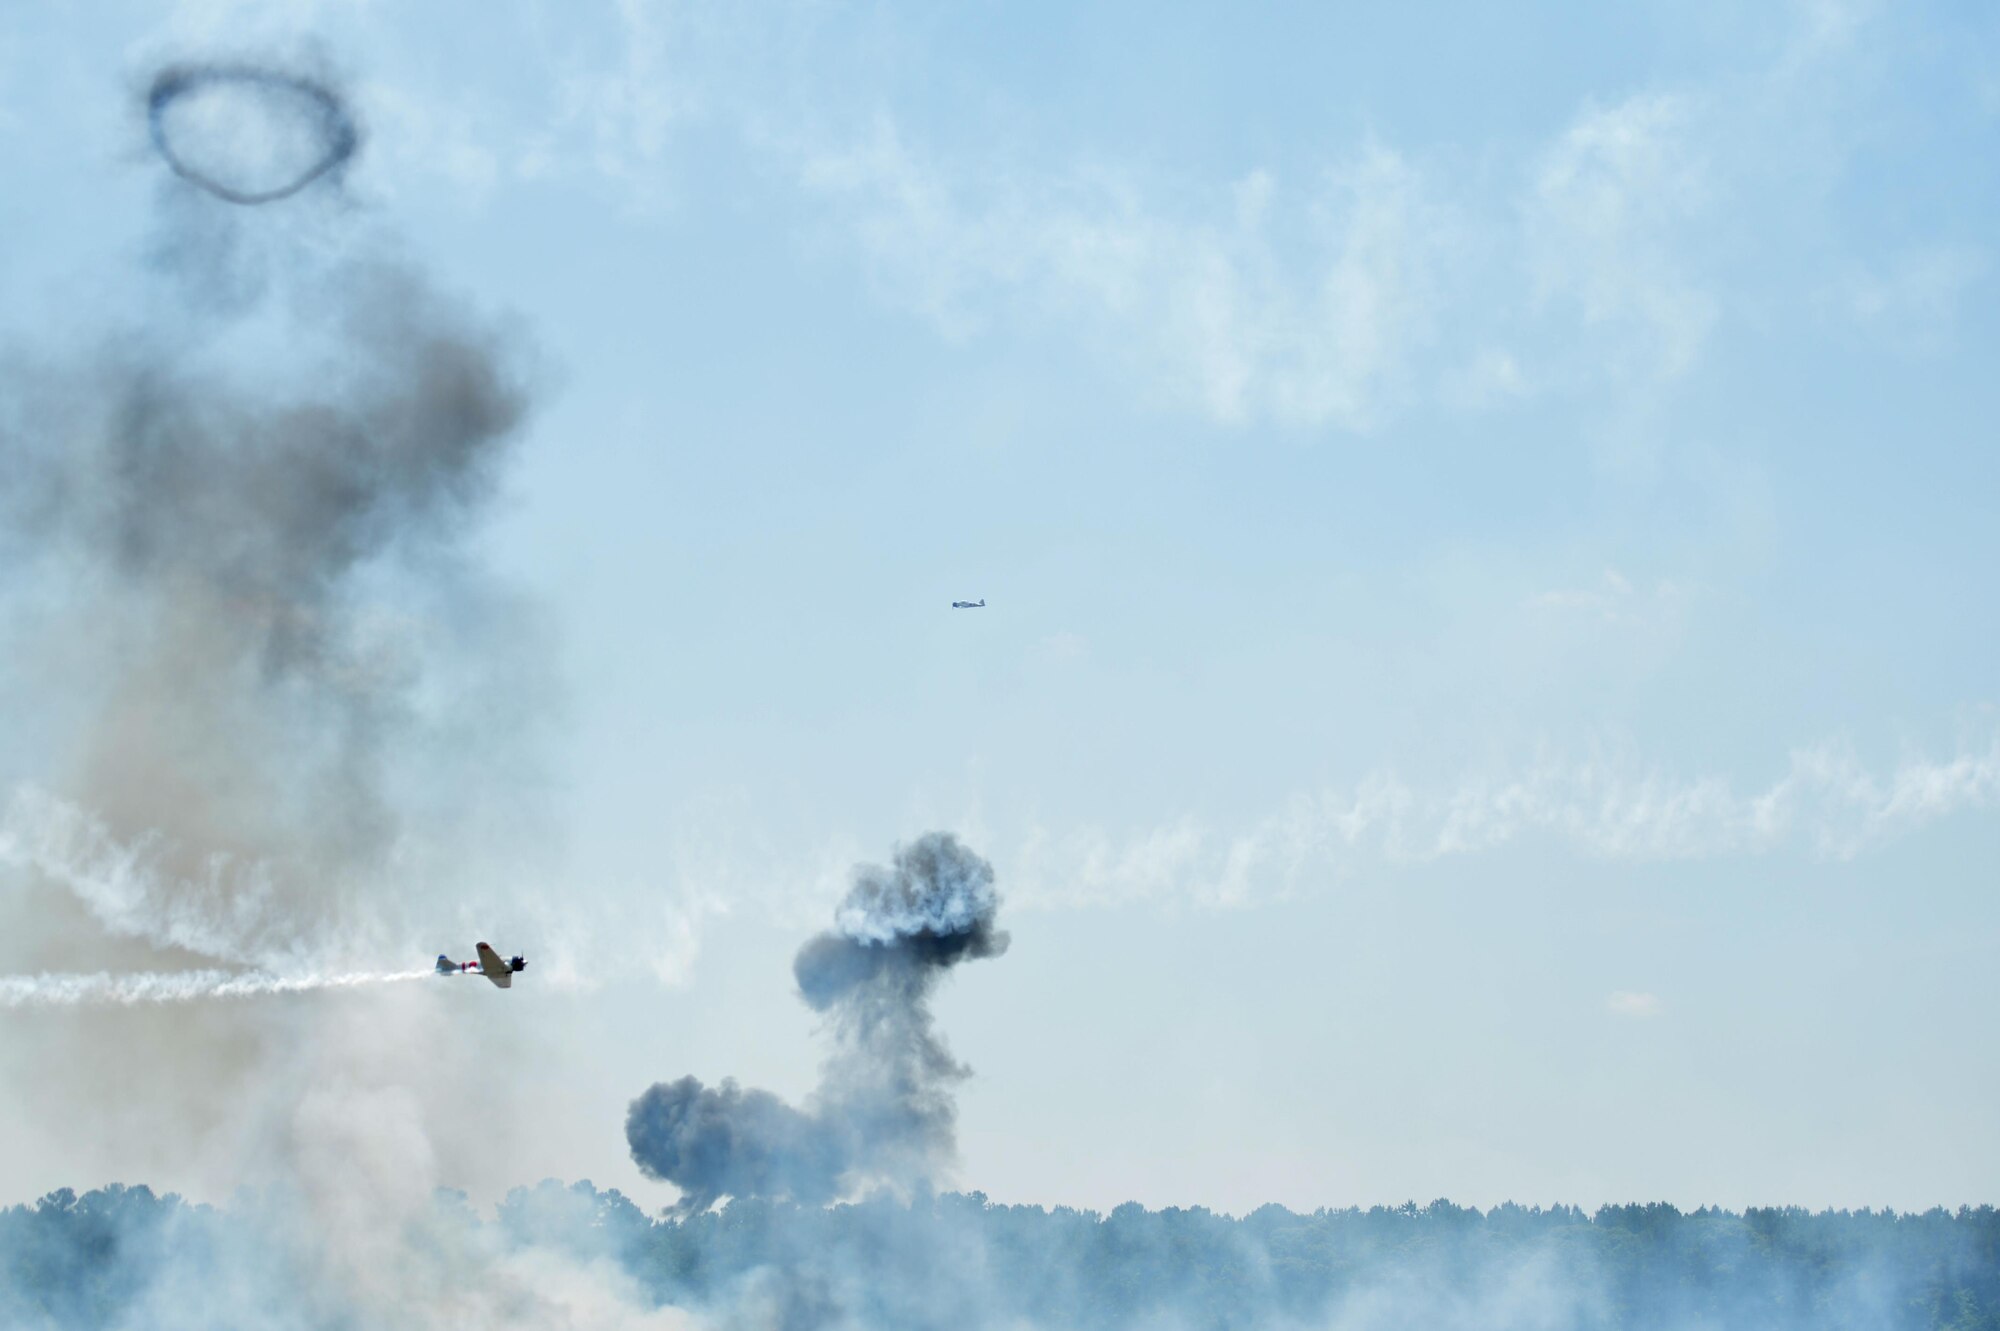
123	1256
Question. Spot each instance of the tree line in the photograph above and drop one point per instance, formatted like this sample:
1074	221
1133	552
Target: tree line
958	1261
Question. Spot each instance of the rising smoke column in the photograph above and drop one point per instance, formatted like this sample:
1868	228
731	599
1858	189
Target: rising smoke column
250	548
260	706
261	712
884	1110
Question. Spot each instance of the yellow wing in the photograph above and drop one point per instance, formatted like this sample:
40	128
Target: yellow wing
493	968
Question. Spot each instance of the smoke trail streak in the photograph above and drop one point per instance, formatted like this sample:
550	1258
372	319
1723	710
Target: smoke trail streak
105	989
122	882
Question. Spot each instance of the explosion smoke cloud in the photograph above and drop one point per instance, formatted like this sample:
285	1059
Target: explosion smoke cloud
884	1110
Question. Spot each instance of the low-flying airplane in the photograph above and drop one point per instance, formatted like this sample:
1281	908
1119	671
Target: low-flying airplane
489	964
968	605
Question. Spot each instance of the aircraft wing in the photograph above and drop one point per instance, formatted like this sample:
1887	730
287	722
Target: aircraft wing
494	968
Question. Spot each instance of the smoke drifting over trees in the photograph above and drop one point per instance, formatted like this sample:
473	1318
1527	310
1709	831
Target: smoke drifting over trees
883	1112
125	1258
240	634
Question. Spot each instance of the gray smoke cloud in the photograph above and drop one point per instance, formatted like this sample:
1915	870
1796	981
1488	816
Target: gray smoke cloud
263	717
884	1111
245	535
239	681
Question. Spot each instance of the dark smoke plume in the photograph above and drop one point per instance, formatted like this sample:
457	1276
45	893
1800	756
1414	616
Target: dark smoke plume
729	1141
884	1109
263	725
258	703
314	132
245	690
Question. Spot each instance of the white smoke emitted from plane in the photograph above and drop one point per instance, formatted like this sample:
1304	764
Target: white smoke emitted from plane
106	989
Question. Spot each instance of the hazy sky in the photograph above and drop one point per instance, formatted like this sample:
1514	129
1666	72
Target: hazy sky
1488	681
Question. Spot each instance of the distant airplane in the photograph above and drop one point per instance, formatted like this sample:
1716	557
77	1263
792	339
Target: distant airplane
968	605
489	964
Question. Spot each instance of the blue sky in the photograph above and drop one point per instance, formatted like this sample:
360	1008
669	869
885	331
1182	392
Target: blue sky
1487	687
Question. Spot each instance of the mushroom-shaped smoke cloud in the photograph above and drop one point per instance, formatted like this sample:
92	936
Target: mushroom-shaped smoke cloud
884	1110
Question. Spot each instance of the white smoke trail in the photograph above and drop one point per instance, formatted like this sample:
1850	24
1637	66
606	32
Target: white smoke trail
239	914
123	885
105	989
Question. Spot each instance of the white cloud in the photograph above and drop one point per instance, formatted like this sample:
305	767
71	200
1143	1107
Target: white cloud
1061	648
1335	297
1630	1003
1093	869
624	114
1614	599
1603	601
427	138
217	22
1916	298
1827	804
1304	303
1492	378
1332	297
1604	227
1827	26
10	119
1299	305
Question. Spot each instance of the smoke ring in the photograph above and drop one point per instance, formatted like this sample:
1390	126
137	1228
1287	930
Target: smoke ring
337	128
